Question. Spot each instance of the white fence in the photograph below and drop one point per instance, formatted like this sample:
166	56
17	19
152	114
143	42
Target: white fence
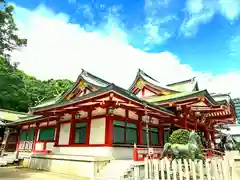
214	169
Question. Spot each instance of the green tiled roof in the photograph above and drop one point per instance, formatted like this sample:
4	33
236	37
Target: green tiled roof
109	88
86	76
8	115
184	86
142	75
182	96
25	119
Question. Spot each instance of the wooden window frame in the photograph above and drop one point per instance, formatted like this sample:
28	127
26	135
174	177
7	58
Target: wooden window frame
125	127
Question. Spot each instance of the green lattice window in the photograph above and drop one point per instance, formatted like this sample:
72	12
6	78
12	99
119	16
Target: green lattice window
27	135
166	136
46	134
124	132
153	136
80	133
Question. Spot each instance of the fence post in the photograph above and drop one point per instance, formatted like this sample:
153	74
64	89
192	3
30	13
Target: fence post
186	169
162	167
146	168
180	169
226	168
201	172
168	167
194	170
174	167
156	169
207	164
136	172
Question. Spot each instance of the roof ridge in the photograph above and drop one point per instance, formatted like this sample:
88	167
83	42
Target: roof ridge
183	81
86	73
145	74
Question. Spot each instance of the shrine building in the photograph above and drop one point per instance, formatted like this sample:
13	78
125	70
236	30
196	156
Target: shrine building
97	119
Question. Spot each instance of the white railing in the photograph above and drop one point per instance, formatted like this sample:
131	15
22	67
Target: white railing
25	146
214	169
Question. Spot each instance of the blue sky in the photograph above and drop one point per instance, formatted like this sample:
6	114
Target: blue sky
202	36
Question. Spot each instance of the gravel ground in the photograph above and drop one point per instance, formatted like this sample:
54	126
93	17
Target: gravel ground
12	173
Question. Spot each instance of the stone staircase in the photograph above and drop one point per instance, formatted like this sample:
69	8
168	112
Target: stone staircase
116	170
8	159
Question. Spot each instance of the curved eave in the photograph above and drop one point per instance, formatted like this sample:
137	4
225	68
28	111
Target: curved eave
102	91
25	120
138	77
189	96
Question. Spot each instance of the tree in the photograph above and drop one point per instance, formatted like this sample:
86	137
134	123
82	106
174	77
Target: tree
9	40
18	90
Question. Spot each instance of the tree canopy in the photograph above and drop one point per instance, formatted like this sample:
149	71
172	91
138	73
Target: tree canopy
18	90
9	39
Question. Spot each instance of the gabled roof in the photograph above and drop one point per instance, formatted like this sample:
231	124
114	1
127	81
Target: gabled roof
7	115
90	79
109	88
185	86
182	96
151	81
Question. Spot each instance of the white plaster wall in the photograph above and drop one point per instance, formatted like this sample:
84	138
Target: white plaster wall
39	146
64	134
99	111
109	152
132	115
43	124
49	145
97	131
119	112
83	114
25	127
66	117
122	153
84	151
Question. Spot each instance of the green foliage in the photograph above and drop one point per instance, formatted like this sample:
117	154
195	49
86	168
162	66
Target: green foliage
180	136
9	40
18	91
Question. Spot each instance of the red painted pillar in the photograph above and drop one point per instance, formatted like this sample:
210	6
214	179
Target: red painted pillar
89	126
161	136
58	126
140	134
109	130
18	141
72	129
35	137
213	135
208	141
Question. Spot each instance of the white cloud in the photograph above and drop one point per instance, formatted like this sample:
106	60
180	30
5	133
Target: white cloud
202	11
158	22
58	49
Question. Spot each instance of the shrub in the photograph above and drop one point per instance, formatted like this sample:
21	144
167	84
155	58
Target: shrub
180	136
